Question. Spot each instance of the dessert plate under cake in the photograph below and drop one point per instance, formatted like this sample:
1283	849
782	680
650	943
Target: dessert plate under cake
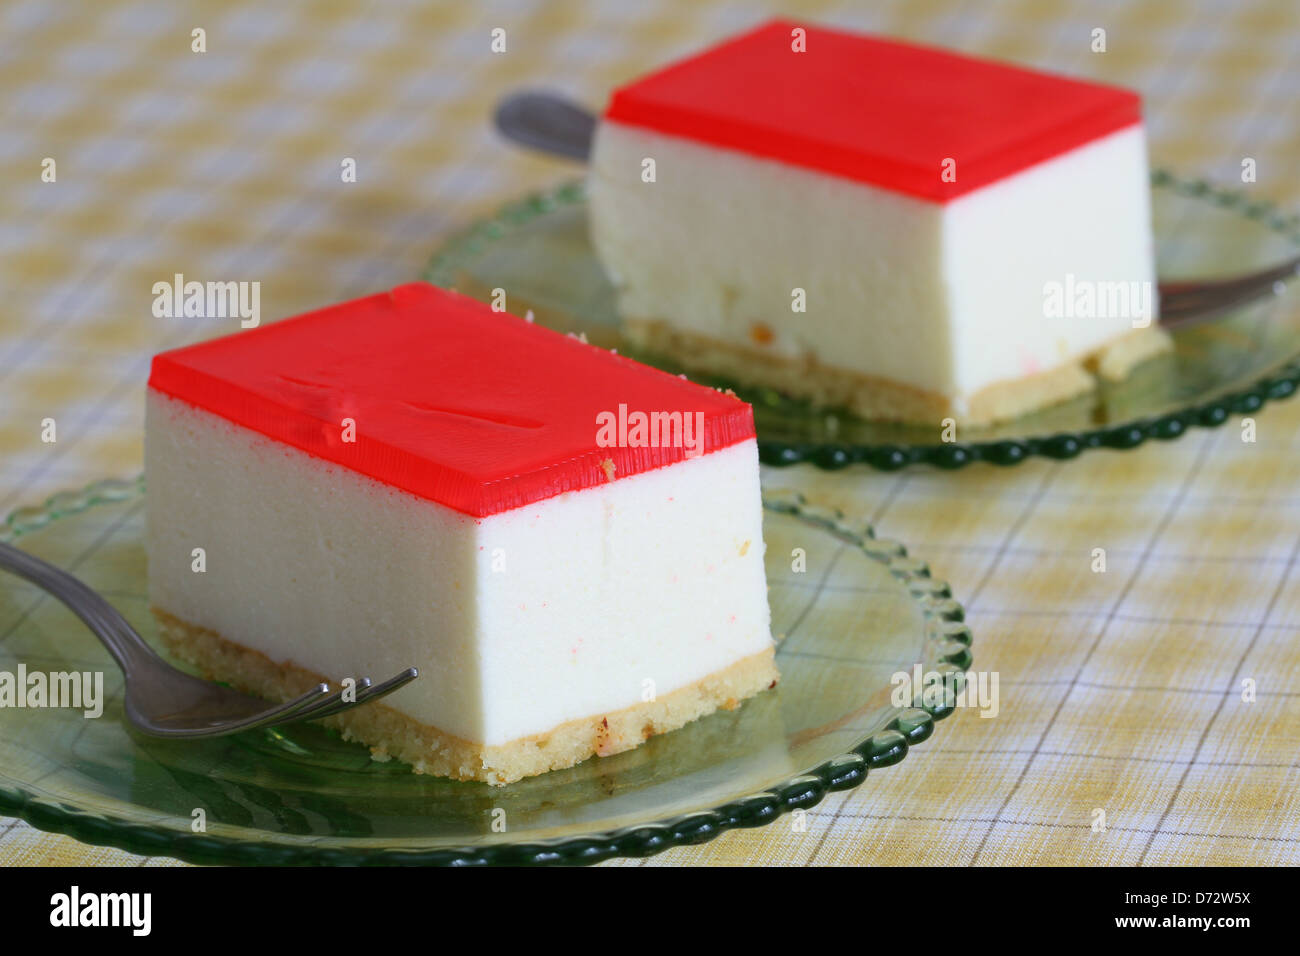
861	612
538	250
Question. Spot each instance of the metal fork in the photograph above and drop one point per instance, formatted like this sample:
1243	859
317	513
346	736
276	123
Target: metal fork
555	124
162	701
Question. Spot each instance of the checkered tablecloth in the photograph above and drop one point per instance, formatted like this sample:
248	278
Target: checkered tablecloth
1120	691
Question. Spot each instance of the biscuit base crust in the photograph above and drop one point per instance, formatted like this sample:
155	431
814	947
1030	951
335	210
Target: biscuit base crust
880	399
427	749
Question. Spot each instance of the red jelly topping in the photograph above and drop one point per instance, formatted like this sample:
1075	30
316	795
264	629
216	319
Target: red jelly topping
478	410
873	110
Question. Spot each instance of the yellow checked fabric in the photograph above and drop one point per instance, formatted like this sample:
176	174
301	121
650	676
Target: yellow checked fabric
1118	690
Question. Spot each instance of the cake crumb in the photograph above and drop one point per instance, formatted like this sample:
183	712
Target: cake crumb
604	742
607	466
744	549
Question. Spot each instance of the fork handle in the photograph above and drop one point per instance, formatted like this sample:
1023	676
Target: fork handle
547	122
114	632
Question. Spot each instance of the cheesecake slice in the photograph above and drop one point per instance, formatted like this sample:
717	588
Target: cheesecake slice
902	231
566	543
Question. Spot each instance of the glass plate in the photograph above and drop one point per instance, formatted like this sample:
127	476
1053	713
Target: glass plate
537	250
861	612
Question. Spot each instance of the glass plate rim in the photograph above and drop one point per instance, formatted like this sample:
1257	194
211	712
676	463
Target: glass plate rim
947	644
1276	385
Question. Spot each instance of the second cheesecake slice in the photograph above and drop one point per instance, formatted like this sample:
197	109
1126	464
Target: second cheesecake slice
873	224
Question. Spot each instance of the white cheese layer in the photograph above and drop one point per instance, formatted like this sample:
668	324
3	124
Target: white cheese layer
572	607
948	298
